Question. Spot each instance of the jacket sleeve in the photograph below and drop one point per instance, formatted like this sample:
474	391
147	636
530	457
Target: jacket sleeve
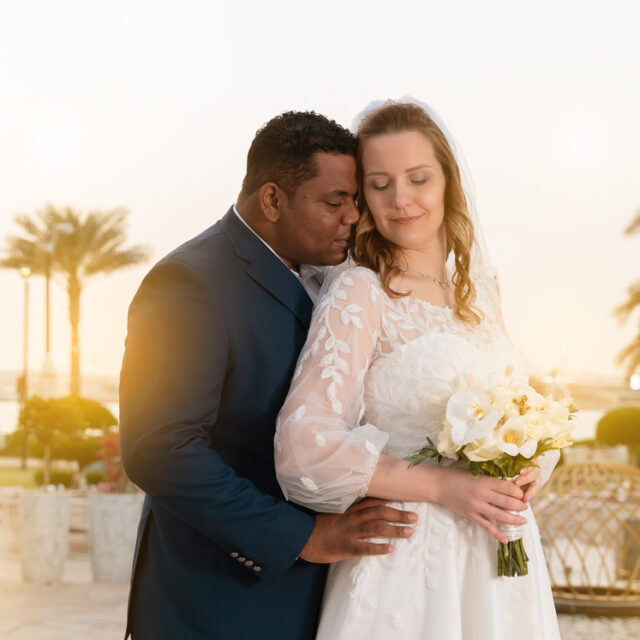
175	363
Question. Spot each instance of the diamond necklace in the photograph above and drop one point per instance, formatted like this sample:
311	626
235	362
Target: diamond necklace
441	282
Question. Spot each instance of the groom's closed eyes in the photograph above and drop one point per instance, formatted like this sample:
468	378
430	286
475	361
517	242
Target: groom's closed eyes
337	197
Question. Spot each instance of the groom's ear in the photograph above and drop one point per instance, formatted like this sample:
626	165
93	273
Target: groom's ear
271	200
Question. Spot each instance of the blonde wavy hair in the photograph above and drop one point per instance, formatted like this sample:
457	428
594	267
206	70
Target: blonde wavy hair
373	250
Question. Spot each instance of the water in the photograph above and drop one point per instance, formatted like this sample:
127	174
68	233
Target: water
585	426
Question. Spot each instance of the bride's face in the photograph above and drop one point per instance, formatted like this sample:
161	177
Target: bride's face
404	188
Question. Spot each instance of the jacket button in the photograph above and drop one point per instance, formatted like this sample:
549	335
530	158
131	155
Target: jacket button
257	569
249	563
241	559
235	554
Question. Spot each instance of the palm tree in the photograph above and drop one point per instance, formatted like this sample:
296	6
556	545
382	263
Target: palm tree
92	244
631	353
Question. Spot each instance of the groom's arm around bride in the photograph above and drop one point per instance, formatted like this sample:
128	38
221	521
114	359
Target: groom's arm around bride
214	333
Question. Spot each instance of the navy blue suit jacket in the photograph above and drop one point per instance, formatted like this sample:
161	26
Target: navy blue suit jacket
214	333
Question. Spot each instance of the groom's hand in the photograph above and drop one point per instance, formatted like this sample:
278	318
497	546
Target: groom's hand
339	536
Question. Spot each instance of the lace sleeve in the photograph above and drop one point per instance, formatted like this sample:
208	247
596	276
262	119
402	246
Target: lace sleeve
324	457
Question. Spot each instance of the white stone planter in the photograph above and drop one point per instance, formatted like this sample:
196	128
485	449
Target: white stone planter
10	523
113	526
44	535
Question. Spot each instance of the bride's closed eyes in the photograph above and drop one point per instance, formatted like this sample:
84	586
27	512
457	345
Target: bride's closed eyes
380	185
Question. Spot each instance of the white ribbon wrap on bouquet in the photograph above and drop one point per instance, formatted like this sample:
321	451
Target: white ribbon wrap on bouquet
512	531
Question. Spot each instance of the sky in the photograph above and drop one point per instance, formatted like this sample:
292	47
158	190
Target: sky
153	105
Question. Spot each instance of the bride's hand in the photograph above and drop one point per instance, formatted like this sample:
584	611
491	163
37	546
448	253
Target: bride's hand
482	499
530	481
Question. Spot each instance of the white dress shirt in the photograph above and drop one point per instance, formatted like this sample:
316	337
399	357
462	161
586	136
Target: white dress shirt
311	277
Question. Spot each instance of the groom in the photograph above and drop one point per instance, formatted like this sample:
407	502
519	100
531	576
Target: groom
214	333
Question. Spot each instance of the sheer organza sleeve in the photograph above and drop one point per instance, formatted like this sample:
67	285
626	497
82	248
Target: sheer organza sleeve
548	462
324	456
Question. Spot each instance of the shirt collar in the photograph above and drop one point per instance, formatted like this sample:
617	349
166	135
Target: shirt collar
311	276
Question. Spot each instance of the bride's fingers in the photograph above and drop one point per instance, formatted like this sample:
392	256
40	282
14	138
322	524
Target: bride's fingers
527	476
506	502
490	527
531	490
500	515
529	481
507	488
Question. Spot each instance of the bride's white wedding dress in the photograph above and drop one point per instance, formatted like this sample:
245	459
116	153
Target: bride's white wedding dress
374	377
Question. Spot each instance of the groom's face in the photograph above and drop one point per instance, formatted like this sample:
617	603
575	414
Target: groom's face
316	224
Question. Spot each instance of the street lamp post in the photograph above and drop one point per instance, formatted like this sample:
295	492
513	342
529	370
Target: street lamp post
47	277
23	383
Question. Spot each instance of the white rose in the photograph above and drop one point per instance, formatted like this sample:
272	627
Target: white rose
537	425
446	446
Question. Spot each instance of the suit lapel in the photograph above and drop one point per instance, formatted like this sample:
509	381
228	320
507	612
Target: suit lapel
265	268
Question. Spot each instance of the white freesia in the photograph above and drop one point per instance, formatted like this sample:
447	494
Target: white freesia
471	416
513	439
483	449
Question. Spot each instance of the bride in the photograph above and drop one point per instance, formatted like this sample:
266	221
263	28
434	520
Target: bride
391	340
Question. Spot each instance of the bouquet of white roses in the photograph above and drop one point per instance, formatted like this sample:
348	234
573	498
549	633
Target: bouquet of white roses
498	432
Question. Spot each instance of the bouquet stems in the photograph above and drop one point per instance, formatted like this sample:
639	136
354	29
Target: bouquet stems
512	559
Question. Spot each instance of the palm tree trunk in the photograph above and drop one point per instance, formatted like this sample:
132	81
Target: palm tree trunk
74	291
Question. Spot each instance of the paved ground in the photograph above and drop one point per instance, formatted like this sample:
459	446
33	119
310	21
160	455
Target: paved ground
76	609
65	612
584	628
79	609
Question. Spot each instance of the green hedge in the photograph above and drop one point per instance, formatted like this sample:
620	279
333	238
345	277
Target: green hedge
57	476
620	426
94	477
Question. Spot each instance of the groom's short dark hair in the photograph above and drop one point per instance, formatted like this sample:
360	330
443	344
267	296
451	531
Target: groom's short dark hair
282	150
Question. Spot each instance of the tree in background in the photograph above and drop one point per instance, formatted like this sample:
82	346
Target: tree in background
68	428
46	420
93	245
96	415
631	353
